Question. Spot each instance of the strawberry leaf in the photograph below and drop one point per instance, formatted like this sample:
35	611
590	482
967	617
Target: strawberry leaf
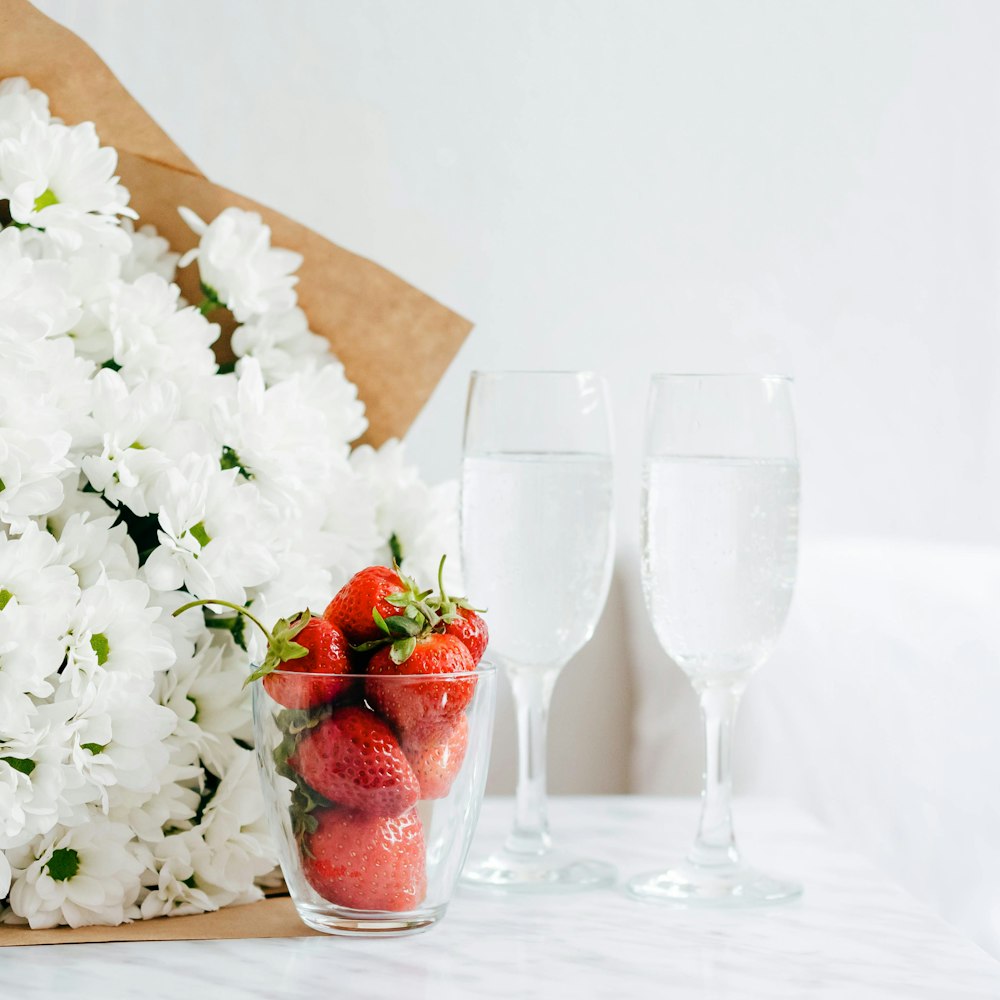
380	621
402	649
402	627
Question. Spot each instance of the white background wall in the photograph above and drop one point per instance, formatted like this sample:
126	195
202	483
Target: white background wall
638	186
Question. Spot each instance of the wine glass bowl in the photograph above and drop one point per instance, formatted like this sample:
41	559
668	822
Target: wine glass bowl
719	524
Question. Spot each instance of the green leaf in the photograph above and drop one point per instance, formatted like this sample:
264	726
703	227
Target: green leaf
3	486
367	647
63	864
402	650
99	644
380	621
400	625
95	748
23	764
396	549
5	596
230	460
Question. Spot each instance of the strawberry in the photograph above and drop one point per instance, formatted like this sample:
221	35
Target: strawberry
354	760
352	606
471	630
304	644
408	705
367	862
327	653
436	754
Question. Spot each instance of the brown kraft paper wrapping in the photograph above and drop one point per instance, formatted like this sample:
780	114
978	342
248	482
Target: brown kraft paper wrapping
367	314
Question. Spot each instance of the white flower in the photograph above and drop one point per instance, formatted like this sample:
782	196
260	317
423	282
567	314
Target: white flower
58	179
238	264
114	629
149	253
85	875
422	518
116	734
153	337
172	807
141	437
213	537
92	539
282	344
207	696
20	104
35	296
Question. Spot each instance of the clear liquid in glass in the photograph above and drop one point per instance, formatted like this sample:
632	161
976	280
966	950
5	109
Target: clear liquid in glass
719	552
537	539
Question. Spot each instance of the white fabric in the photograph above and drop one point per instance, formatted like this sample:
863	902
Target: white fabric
879	712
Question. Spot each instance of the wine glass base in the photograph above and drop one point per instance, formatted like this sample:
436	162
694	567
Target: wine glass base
688	885
554	872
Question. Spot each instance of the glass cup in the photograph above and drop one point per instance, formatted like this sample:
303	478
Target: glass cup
537	523
720	503
372	830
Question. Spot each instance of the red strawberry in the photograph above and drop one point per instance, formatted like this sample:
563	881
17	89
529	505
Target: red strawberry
436	754
470	628
408	705
353	759
351	607
328	653
367	862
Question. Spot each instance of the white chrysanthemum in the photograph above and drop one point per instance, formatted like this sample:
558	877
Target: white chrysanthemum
37	596
59	179
93	541
172	807
215	538
113	629
85	875
422	518
39	787
35	296
239	266
20	104
282	344
149	253
34	438
115	733
141	438
153	337
206	694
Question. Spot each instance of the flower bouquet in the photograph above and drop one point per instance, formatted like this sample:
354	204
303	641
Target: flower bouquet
141	469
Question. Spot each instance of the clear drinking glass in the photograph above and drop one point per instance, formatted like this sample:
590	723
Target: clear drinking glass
383	863
537	544
720	499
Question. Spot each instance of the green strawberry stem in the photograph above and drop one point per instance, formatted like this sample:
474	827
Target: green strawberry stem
227	604
280	644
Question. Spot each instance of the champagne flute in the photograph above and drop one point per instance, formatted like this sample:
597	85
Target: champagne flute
537	546
720	496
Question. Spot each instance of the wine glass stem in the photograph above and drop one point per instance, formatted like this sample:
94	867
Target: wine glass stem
532	690
715	845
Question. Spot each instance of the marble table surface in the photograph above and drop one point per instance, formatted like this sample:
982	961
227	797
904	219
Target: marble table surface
853	934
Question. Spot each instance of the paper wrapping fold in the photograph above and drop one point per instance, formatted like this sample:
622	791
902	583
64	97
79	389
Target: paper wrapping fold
373	320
